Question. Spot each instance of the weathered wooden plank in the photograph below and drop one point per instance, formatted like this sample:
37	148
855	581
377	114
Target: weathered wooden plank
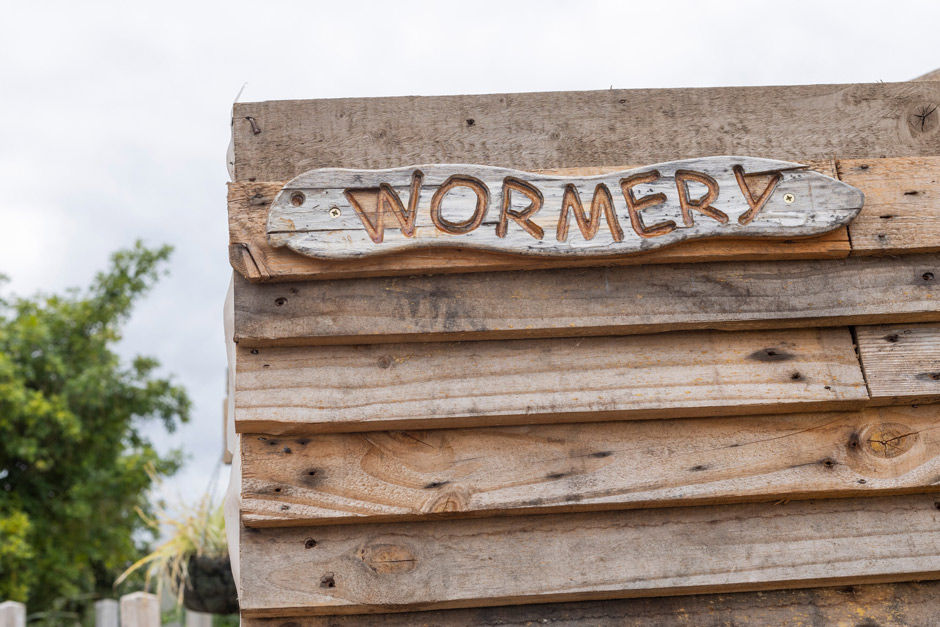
339	214
405	386
902	204
255	259
915	604
387	476
275	141
593	301
901	362
497	561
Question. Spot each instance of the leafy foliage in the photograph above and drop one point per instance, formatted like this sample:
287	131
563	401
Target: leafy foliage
74	464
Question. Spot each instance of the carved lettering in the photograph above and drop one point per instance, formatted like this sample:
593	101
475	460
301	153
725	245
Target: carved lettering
522	218
754	204
479	210
386	201
601	203
635	206
703	204
339	214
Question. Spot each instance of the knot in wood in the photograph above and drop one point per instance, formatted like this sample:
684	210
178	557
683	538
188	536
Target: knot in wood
889	440
386	559
923	118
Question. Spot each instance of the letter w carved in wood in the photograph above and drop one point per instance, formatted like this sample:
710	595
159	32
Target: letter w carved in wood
386	201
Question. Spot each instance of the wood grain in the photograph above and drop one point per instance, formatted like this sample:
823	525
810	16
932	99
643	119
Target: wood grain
902	205
450	473
275	141
592	301
915	604
653	552
901	362
406	386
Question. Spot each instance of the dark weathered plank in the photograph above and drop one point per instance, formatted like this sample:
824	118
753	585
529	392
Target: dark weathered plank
914	604
385	476
901	363
319	389
498	561
593	301
275	141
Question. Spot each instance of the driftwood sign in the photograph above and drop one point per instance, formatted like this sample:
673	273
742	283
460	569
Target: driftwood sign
342	214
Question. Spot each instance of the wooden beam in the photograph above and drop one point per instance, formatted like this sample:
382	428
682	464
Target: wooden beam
591	301
449	473
902	205
901	362
653	552
256	260
409	386
886	605
275	141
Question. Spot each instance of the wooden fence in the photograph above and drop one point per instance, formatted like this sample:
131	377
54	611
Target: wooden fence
138	609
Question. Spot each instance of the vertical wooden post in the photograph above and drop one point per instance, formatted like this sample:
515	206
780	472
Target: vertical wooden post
198	619
106	613
140	609
12	614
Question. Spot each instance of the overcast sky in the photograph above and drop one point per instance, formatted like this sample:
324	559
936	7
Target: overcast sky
114	116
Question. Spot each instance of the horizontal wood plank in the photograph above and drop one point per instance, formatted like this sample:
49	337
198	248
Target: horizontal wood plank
255	259
591	301
902	205
901	362
407	475
653	552
275	141
915	604
406	386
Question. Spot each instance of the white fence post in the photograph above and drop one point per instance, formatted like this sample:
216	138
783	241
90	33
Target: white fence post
198	619
140	609
12	614
106	613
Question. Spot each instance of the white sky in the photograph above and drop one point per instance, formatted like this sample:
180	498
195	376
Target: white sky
114	116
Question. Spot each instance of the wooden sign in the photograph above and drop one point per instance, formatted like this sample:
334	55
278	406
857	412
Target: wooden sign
343	214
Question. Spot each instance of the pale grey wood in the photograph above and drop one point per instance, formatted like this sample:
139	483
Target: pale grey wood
901	363
107	613
313	214
275	141
12	614
498	561
140	609
592	301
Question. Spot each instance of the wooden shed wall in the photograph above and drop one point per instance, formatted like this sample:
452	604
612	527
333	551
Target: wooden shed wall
750	384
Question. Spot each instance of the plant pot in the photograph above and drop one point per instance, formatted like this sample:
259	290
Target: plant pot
210	587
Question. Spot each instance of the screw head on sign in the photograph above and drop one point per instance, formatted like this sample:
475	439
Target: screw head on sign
335	212
789	198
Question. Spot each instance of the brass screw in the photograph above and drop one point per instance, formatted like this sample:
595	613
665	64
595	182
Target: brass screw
335	212
789	198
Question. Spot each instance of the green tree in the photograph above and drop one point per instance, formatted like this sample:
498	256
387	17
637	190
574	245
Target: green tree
74	464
